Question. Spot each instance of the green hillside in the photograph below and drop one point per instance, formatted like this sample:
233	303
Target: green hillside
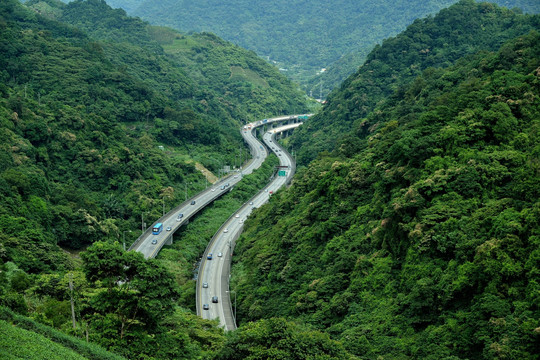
419	237
22	344
100	131
301	37
439	41
23	338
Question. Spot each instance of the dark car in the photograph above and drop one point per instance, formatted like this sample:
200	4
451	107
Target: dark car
206	307
205	285
209	257
193	202
214	299
180	216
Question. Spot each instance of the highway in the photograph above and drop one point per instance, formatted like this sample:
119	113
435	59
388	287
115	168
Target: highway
213	279
215	272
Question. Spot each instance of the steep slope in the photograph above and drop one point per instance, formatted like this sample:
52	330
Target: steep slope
439	41
82	121
420	237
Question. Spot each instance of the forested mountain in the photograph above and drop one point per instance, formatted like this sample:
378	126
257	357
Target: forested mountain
302	36
464	28
419	236
100	130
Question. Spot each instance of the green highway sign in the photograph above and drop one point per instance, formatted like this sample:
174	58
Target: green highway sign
282	173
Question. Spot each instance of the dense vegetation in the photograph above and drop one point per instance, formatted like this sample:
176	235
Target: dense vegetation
99	126
301	36
416	237
82	120
419	236
464	28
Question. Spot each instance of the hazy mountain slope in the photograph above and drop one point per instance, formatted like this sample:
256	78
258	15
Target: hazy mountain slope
302	36
436	41
420	237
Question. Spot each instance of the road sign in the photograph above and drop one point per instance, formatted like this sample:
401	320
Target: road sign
282	173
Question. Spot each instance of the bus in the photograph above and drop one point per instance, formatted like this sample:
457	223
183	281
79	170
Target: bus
157	228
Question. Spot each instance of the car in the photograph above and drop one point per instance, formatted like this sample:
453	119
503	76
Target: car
220	254
209	256
213	189
205	285
227	184
237	215
226	230
206	307
169	228
271	192
154	242
179	217
251	203
214	299
279	154
266	190
236	176
193	202
241	221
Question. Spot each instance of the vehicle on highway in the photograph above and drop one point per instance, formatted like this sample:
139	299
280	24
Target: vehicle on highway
157	229
213	189
154	242
169	228
214	299
241	221
226	230
209	257
271	192
205	285
266	190
237	215
223	187
251	203
180	216
206	307
193	202
220	254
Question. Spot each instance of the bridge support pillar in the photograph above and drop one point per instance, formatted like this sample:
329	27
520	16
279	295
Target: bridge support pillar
169	240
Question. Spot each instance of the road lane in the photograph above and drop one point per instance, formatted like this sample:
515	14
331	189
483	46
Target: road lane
216	272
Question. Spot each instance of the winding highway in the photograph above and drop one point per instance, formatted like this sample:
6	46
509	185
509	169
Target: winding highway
213	296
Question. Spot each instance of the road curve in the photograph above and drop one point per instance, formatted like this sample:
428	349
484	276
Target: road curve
213	279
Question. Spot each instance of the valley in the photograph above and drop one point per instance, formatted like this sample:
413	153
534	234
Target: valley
397	220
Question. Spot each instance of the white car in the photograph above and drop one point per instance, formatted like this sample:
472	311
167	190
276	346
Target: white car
226	230
237	215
